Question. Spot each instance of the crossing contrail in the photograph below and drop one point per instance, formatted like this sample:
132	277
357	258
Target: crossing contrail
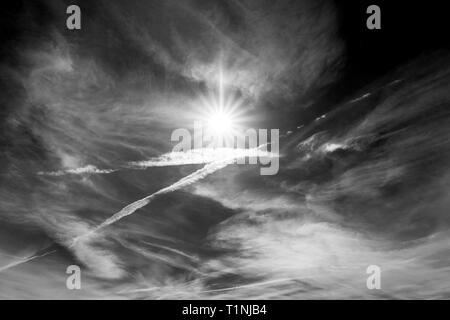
215	159
188	180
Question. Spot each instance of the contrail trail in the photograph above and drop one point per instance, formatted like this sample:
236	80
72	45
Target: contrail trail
24	260
131	208
226	155
175	158
208	169
179	158
81	170
179	252
251	285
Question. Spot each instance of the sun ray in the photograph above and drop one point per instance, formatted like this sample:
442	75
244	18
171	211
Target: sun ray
220	110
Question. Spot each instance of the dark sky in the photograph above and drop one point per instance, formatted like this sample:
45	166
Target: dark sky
409	29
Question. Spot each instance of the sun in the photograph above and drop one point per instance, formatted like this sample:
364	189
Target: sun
220	123
220	110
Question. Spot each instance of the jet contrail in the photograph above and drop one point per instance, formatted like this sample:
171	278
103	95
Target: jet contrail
209	156
24	260
87	169
175	158
131	208
208	169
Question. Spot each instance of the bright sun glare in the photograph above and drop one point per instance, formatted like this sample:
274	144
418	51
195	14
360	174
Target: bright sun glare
221	109
220	123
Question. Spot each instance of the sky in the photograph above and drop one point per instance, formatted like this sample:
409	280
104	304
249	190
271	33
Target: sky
88	176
